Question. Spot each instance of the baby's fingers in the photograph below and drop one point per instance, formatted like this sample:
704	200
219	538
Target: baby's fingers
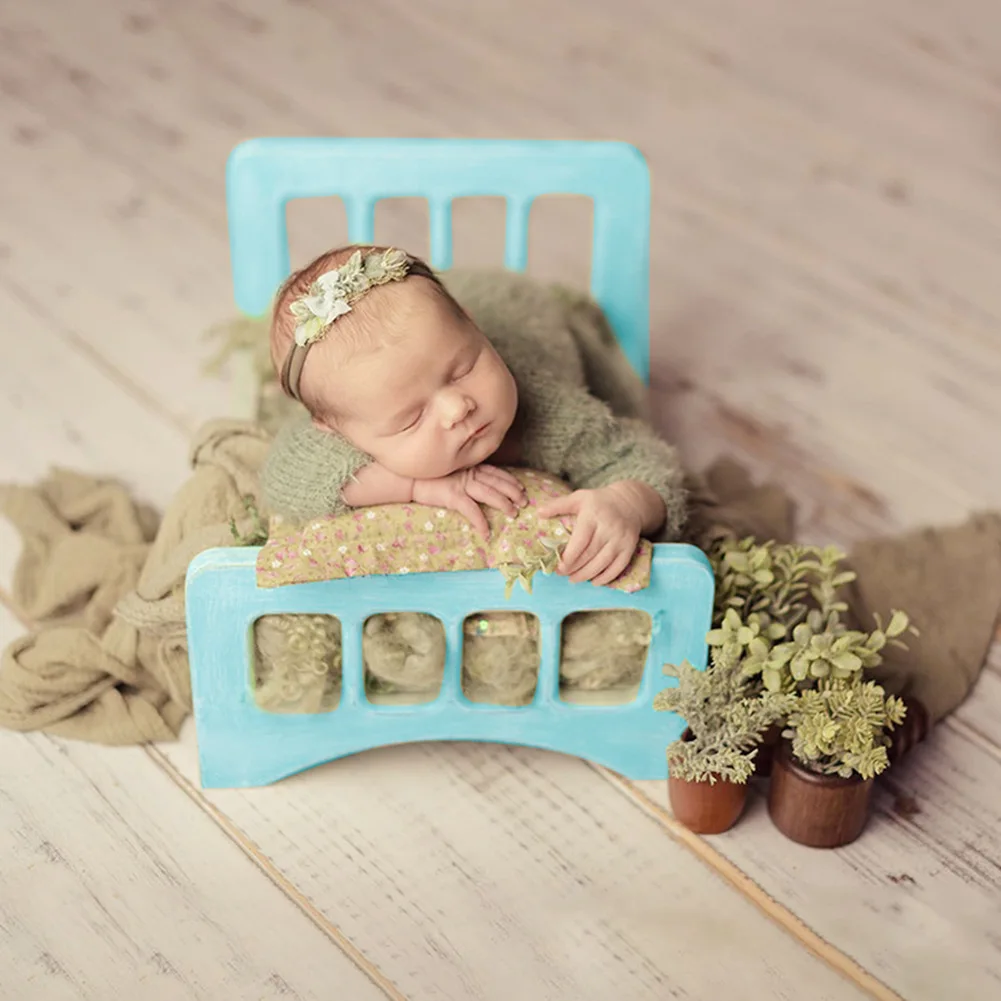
487	493
473	513
503	481
558	506
614	570
594	564
584	543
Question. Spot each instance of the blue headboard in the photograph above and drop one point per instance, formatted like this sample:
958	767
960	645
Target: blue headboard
263	174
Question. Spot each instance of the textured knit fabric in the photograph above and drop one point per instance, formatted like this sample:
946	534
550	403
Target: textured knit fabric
550	340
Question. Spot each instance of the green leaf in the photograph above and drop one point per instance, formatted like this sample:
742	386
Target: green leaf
781	655
737	561
802	634
898	624
799	667
842	643
848	662
772	679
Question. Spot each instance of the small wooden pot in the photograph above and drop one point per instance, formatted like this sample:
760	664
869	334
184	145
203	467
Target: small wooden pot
911	732
767	750
822	811
704	807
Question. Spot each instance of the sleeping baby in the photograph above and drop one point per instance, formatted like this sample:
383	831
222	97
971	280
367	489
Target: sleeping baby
413	396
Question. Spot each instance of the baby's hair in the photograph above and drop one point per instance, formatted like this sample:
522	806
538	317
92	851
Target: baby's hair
370	321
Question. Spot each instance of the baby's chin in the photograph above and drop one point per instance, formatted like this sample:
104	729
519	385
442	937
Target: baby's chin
484	449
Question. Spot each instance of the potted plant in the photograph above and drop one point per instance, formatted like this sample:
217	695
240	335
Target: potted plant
838	742
779	605
711	763
779	650
763	592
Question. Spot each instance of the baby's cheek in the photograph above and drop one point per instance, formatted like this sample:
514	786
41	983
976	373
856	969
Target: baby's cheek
422	457
497	393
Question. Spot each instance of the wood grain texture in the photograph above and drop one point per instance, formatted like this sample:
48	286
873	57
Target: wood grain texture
824	219
915	900
112	884
507	873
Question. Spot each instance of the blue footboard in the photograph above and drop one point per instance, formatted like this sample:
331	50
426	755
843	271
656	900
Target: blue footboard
241	744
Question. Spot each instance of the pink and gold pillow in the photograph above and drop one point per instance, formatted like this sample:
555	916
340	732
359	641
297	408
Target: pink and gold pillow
411	538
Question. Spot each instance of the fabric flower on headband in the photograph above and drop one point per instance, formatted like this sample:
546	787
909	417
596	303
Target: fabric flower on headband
333	292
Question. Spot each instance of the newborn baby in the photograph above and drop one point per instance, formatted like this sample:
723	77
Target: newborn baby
409	398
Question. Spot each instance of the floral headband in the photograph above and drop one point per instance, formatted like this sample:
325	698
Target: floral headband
332	294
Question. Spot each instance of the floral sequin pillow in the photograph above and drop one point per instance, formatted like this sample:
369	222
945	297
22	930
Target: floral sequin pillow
411	538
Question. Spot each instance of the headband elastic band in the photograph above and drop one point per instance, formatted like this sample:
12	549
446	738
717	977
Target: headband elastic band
332	295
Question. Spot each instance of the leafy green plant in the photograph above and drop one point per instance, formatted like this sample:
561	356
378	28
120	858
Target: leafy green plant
778	583
257	531
819	650
778	609
844	730
778	644
726	723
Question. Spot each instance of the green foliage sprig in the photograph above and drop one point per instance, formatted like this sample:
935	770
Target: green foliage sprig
726	724
779	605
844	731
529	564
778	644
257	531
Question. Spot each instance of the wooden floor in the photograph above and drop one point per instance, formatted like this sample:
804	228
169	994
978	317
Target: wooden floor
826	229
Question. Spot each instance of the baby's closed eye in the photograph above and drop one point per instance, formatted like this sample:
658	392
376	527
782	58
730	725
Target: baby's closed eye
411	422
404	423
465	366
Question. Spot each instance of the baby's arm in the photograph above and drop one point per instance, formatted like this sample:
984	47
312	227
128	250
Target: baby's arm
576	436
643	500
609	523
307	470
374	484
311	473
627	481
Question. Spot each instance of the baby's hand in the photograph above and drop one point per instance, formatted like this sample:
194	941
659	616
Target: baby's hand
609	521
465	490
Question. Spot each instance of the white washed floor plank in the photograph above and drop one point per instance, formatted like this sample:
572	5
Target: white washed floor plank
113	884
505	873
917	899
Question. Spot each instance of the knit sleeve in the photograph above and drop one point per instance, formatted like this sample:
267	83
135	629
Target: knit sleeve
573	434
305	471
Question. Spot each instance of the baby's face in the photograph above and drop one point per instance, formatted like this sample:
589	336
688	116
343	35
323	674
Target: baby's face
433	398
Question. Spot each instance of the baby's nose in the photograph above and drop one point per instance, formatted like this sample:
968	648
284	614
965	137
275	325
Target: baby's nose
456	408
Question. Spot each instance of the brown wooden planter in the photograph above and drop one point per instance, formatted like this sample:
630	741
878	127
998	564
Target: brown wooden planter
704	807
767	750
911	732
822	811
